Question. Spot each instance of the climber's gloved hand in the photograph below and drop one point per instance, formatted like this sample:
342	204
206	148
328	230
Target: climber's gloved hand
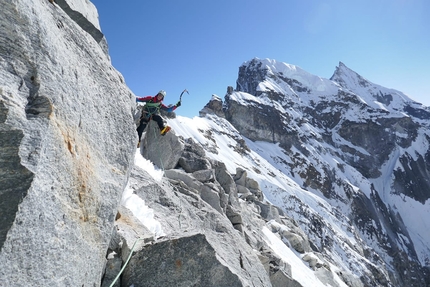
178	104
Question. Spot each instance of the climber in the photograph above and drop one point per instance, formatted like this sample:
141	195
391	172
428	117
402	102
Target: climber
151	111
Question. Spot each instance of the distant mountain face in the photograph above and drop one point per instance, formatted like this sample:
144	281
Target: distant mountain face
364	147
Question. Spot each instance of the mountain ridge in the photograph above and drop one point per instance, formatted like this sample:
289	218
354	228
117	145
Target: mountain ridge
335	136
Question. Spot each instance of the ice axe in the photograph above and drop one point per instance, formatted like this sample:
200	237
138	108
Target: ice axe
180	97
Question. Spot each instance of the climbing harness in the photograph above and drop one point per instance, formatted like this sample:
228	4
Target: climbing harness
149	109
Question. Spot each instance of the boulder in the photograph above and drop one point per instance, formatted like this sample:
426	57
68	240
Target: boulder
211	196
185	261
252	184
268	211
193	158
234	215
206	175
240	176
191	162
188	179
224	178
163	151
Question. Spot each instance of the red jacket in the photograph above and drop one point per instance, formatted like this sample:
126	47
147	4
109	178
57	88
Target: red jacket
154	99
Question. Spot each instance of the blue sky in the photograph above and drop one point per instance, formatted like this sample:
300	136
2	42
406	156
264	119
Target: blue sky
199	45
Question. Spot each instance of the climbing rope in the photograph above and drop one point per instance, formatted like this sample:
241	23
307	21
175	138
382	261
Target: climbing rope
126	262
132	249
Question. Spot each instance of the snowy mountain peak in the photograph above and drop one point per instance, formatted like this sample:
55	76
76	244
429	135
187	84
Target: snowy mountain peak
273	66
290	85
372	94
285	83
358	145
345	76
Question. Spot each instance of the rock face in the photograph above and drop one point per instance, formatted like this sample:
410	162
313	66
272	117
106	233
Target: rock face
84	13
66	141
213	107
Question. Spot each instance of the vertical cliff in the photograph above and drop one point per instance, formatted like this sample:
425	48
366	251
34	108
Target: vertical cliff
66	141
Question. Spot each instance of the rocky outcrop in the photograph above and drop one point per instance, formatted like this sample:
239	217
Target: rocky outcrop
200	245
157	148
260	122
214	106
212	224
84	13
66	141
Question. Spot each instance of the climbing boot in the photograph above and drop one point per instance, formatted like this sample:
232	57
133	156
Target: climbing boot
165	130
